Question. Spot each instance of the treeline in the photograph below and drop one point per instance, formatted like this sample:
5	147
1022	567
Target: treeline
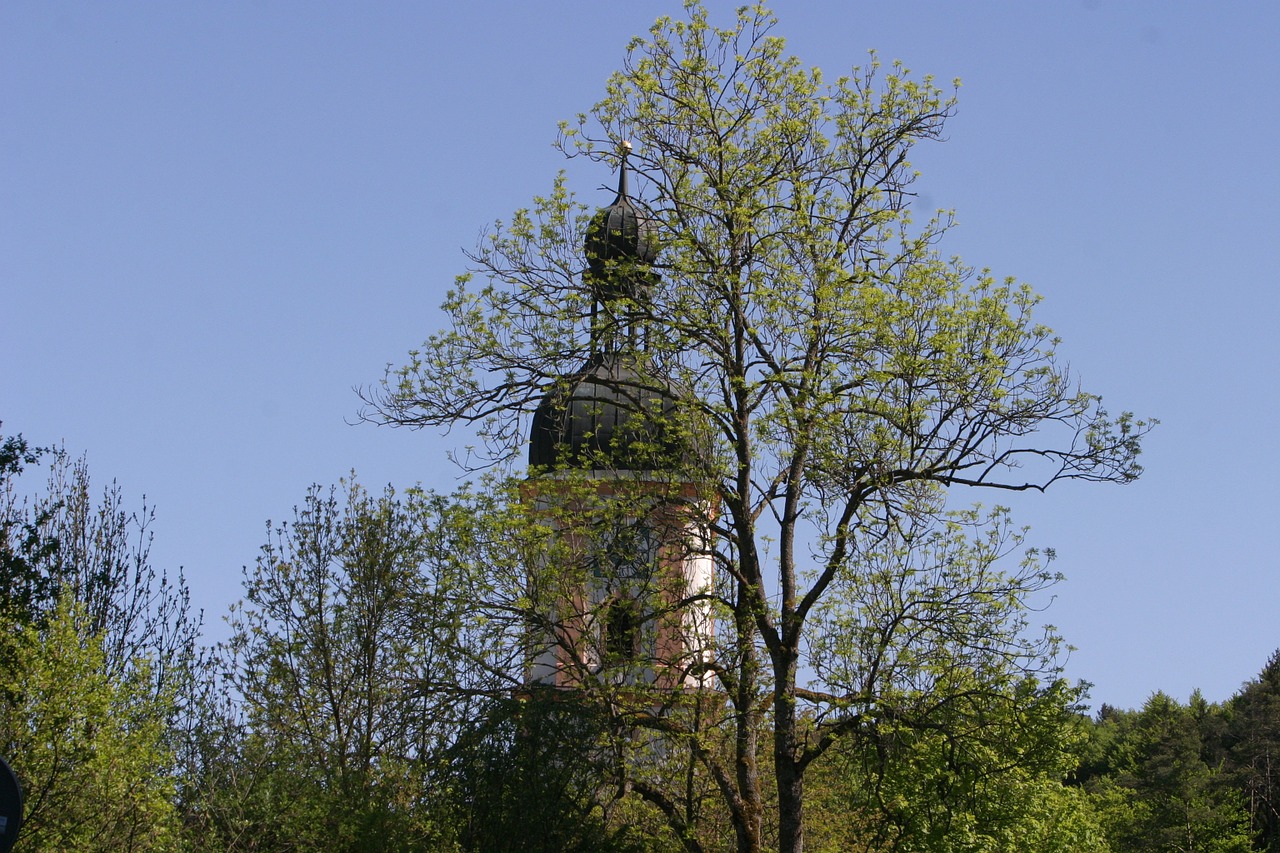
339	716
1194	776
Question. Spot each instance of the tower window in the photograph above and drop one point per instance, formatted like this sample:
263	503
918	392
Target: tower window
622	631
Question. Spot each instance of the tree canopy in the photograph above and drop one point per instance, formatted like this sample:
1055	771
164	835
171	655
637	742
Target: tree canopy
843	379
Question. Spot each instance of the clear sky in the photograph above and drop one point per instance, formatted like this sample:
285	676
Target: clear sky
218	218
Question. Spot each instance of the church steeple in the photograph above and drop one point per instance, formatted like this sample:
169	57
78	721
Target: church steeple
613	414
641	614
621	246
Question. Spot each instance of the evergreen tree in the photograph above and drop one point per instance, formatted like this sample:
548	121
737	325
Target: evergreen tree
1154	787
1254	742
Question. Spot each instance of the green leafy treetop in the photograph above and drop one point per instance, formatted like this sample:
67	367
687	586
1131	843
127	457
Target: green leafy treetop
844	377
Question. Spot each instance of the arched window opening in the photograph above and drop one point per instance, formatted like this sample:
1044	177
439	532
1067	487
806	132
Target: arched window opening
622	631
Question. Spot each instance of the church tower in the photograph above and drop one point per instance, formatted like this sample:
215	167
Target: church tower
609	467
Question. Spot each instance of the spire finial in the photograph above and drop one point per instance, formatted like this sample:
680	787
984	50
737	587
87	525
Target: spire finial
621	245
625	148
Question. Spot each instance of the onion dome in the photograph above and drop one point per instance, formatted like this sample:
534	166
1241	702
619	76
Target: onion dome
621	238
607	416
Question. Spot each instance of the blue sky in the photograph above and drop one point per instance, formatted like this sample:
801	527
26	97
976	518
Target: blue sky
216	219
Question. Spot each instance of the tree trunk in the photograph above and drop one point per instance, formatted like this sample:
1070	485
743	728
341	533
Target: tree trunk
746	736
787	769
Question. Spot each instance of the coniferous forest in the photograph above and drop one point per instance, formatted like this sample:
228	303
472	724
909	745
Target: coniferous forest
728	570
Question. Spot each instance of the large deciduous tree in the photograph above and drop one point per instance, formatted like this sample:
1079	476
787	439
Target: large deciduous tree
331	655
843	379
70	541
91	746
97	647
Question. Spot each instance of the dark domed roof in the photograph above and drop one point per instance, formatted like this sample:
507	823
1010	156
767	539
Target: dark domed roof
620	235
607	416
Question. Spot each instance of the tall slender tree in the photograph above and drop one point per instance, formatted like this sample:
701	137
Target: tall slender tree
843	378
331	653
1254	759
96	649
